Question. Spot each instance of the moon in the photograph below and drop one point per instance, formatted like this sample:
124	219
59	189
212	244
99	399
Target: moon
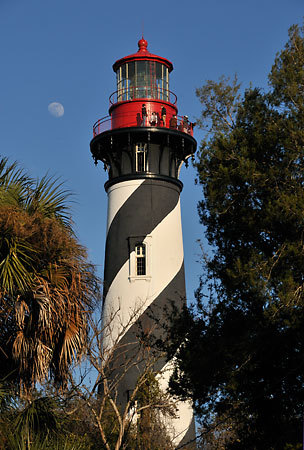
56	109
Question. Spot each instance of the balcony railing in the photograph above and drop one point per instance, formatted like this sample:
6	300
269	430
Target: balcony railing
143	93
179	123
102	125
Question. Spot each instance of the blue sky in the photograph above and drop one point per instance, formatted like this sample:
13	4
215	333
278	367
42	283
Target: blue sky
63	51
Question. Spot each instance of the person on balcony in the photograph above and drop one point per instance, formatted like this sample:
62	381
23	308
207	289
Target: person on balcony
153	120
173	122
157	119
163	115
138	120
144	115
186	124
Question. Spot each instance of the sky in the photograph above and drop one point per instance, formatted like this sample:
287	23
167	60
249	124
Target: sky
62	51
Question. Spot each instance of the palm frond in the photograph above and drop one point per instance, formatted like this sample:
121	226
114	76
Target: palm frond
41	418
14	183
57	275
73	341
15	264
48	198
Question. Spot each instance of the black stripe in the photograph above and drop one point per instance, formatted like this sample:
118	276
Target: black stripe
152	201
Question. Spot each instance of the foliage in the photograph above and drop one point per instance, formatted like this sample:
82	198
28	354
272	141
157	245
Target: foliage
47	287
40	423
220	101
218	435
151	432
242	355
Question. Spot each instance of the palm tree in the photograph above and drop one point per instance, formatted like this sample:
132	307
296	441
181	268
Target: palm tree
47	286
41	423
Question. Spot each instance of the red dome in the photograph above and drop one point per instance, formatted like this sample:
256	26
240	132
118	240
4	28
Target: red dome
142	54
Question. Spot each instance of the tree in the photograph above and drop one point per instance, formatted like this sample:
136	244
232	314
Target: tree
47	286
242	355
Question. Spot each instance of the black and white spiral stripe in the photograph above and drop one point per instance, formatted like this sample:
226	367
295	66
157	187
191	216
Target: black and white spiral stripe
145	210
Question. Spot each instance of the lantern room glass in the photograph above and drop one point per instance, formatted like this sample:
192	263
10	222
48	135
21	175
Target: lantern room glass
142	79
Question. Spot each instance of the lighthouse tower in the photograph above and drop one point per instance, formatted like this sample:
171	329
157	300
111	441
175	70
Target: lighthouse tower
143	144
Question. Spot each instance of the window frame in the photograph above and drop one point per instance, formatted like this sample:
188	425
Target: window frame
141	150
135	241
140	259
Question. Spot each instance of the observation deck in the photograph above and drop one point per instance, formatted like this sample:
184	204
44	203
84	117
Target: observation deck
127	118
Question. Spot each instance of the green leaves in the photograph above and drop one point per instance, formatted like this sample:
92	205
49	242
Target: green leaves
38	424
47	198
287	74
16	271
219	104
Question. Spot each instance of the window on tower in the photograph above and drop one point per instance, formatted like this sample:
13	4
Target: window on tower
140	248
141	157
140	257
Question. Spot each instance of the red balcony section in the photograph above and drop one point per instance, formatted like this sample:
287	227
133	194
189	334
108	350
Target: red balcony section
126	111
129	119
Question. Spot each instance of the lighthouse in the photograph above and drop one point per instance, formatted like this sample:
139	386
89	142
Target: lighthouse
143	143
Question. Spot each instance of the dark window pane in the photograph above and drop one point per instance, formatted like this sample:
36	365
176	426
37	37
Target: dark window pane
131	77
158	71
140	157
141	266
140	252
123	71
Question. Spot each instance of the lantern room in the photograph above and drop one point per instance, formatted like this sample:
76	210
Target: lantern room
142	75
143	97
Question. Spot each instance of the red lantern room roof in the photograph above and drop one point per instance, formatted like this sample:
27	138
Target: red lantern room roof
142	54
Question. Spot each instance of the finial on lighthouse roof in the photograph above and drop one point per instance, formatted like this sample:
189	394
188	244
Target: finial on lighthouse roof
142	54
142	45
